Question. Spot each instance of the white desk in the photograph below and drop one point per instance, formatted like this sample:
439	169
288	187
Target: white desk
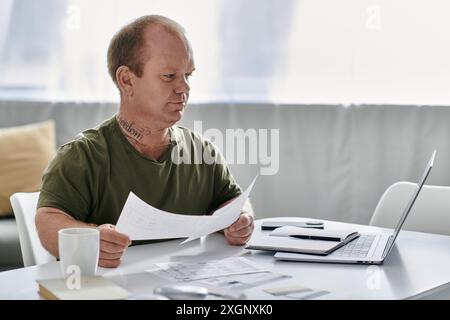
419	262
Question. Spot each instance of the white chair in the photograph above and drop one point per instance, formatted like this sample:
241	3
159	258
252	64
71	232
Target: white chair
430	213
24	207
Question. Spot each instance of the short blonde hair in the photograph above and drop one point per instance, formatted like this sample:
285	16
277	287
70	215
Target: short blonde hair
127	46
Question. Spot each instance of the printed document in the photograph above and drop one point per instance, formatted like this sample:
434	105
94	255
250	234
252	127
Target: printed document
244	281
141	221
183	271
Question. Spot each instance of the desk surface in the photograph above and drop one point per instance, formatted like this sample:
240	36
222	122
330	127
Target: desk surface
418	263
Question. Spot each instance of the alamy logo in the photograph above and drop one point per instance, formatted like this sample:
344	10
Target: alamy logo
373	19
373	281
73	17
73	281
239	146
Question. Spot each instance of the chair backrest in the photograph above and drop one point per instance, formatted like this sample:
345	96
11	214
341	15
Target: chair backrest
430	213
24	207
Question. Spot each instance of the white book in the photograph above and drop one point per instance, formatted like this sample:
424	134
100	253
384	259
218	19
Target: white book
90	288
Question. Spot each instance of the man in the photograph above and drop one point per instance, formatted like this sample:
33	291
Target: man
150	60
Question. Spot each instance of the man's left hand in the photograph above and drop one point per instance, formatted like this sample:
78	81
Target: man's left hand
241	230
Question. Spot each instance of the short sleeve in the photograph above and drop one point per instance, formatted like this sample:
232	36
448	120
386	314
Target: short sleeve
65	183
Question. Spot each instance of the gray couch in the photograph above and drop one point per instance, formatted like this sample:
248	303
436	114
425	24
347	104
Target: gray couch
70	119
334	161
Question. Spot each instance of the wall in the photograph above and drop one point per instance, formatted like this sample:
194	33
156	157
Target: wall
335	161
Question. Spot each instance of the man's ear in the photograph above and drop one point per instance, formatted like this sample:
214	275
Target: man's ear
123	78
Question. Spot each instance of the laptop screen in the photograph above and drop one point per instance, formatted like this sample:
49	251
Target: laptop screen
410	203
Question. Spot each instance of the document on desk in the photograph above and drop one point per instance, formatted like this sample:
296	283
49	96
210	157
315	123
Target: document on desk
245	281
184	271
141	221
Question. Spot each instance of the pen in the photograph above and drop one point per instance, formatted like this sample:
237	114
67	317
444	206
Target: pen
273	225
315	237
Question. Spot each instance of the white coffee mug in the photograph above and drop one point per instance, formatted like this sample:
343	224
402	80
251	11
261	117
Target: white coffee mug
79	250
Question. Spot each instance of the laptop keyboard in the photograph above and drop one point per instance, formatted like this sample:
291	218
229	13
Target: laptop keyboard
358	248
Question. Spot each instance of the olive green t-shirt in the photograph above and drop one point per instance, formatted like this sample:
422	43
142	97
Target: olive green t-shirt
91	177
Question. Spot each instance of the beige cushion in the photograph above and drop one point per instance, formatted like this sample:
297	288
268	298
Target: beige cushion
25	152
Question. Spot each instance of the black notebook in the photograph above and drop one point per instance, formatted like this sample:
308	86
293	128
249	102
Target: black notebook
301	240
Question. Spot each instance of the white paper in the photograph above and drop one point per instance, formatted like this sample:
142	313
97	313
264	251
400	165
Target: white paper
309	294
223	217
244	281
141	221
182	271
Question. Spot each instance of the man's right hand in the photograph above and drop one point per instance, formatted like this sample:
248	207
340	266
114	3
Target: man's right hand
112	246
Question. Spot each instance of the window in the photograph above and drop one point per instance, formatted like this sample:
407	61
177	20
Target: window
282	51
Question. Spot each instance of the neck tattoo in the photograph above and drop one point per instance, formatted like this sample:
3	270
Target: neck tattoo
136	134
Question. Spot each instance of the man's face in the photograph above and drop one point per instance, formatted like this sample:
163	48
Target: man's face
161	94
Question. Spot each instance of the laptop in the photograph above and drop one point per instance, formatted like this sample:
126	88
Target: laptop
367	248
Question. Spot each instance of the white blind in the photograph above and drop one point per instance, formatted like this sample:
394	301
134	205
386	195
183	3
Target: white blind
287	51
